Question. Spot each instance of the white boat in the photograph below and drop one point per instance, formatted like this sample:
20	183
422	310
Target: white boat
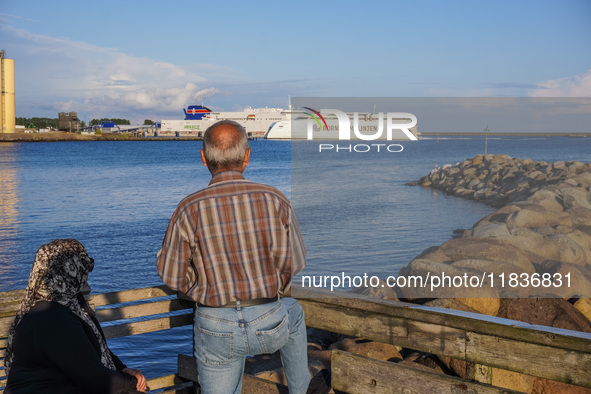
298	123
254	120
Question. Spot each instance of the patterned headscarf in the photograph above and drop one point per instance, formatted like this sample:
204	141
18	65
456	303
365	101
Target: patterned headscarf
59	273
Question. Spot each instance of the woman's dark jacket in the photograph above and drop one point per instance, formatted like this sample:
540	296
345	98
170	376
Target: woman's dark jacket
56	352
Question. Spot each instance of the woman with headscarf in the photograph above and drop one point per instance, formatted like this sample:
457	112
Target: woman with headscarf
55	344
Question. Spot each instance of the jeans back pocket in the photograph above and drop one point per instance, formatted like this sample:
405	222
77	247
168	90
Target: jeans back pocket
216	348
275	338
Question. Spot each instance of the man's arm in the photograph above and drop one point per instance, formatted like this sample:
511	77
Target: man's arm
295	260
298	250
174	258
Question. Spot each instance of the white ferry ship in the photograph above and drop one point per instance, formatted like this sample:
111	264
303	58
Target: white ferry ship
255	120
296	127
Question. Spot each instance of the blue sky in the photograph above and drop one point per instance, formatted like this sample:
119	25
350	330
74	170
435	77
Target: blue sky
149	59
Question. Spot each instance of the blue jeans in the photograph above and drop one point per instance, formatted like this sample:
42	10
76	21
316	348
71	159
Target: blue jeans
225	336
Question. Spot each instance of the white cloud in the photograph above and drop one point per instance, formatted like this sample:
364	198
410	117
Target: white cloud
58	74
576	86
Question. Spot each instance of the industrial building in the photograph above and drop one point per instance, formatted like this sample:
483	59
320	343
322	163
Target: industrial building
69	122
7	116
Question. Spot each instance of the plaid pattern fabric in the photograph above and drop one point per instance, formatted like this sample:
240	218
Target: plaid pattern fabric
233	240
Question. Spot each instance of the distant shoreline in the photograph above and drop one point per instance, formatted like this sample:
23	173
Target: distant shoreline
60	137
481	134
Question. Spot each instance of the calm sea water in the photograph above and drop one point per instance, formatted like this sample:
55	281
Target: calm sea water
355	212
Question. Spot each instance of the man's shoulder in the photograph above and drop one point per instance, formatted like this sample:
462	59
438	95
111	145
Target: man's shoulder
232	188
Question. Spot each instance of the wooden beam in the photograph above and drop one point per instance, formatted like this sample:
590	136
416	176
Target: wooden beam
466	321
469	337
130	295
142	327
166	381
357	374
187	369
5	323
145	309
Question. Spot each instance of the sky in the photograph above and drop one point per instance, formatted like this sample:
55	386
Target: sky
150	59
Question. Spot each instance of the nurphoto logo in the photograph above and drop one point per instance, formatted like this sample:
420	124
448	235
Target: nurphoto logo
336	124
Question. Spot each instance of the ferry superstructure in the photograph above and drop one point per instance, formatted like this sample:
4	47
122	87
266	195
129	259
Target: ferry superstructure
296	125
254	120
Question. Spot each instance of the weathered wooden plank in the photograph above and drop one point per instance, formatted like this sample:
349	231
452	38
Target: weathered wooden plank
146	309
9	297
3	343
412	334
161	382
5	323
9	308
142	327
187	369
446	317
183	390
440	339
359	374
167	381
129	295
548	362
153	384
2	352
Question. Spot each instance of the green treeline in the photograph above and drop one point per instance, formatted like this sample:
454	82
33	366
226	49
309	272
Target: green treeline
114	120
39	123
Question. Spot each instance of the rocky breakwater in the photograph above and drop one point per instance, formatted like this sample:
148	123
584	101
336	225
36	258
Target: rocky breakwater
533	254
499	179
540	236
530	260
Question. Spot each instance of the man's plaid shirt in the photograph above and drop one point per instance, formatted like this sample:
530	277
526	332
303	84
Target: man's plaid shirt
233	240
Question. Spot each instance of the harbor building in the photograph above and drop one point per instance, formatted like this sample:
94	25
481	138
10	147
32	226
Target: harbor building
7	116
69	122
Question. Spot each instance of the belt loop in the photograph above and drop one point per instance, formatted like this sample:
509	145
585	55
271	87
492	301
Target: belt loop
237	304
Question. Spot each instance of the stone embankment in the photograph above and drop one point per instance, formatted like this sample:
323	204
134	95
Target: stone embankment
499	179
541	232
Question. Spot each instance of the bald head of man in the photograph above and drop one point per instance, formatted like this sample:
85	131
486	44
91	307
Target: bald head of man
225	147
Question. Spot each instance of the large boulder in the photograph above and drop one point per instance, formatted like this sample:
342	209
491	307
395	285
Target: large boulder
580	216
430	279
536	247
382	290
547	199
365	347
450	303
529	218
566	281
574	196
487	249
553	312
489	229
584	306
545	386
569	251
485	306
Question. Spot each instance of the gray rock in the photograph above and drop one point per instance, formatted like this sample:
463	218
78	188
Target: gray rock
494	249
580	216
575	197
568	250
532	219
484	229
382	291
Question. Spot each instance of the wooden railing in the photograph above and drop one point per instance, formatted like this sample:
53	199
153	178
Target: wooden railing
482	341
144	306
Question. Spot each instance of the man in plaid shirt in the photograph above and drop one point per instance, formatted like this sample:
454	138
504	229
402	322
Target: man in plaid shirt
234	247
